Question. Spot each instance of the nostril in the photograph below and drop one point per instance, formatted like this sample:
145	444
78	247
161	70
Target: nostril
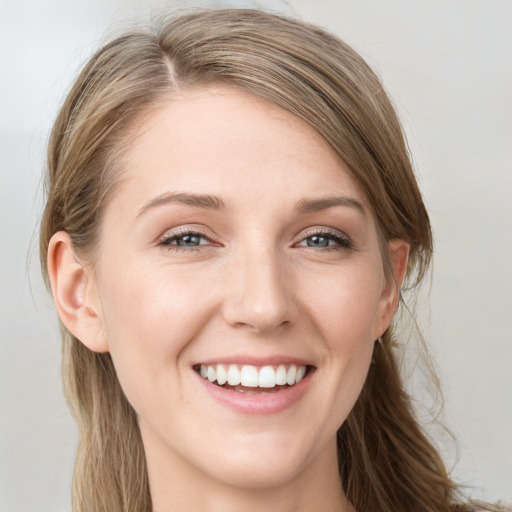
260	300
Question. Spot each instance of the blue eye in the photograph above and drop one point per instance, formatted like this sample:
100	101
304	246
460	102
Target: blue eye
325	240
318	241
186	240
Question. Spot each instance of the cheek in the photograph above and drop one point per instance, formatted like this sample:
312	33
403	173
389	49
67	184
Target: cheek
345	311
146	305
345	306
149	318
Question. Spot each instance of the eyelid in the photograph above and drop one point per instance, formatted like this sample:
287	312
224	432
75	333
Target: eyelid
180	231
346	241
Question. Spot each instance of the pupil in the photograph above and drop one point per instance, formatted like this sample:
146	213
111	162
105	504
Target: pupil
318	241
188	240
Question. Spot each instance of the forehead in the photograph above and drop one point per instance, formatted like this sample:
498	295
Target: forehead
229	143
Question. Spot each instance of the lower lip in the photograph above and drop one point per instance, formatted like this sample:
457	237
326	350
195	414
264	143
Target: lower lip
264	403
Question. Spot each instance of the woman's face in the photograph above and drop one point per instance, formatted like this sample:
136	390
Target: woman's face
237	246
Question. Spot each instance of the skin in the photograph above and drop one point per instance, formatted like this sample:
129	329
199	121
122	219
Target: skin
255	286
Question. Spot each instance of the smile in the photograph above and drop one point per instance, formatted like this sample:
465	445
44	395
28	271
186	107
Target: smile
264	387
248	376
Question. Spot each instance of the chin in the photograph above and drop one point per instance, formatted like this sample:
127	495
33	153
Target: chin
256	473
265	461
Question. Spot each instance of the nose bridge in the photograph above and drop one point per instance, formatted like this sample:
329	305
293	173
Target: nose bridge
259	294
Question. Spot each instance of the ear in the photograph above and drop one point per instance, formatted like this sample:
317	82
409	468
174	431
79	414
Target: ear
399	256
74	294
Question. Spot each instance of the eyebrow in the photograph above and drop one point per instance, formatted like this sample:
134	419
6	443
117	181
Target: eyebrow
198	200
324	203
209	202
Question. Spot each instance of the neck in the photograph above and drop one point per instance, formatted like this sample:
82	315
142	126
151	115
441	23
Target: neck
176	485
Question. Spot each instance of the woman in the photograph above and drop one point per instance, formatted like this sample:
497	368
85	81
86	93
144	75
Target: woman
231	218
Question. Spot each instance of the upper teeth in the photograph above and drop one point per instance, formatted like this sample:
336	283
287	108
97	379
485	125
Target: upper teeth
251	376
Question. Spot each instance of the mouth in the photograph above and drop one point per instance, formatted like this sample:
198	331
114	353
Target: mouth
249	379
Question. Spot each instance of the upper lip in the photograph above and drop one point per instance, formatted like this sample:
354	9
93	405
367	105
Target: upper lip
273	360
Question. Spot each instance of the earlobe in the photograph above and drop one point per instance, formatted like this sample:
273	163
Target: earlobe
72	290
399	257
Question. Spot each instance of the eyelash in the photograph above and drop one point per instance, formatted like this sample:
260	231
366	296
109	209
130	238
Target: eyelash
167	241
343	243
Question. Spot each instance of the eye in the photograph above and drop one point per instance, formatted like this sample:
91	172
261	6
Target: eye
326	240
184	240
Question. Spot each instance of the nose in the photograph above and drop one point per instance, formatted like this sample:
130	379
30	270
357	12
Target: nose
260	293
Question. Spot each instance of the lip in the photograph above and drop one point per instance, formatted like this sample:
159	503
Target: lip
261	403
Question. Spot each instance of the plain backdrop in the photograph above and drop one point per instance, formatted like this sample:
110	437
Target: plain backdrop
447	65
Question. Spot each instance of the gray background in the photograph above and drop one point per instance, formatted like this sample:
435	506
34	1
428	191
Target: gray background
447	65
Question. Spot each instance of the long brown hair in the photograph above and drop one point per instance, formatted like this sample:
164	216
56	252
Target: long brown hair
386	462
